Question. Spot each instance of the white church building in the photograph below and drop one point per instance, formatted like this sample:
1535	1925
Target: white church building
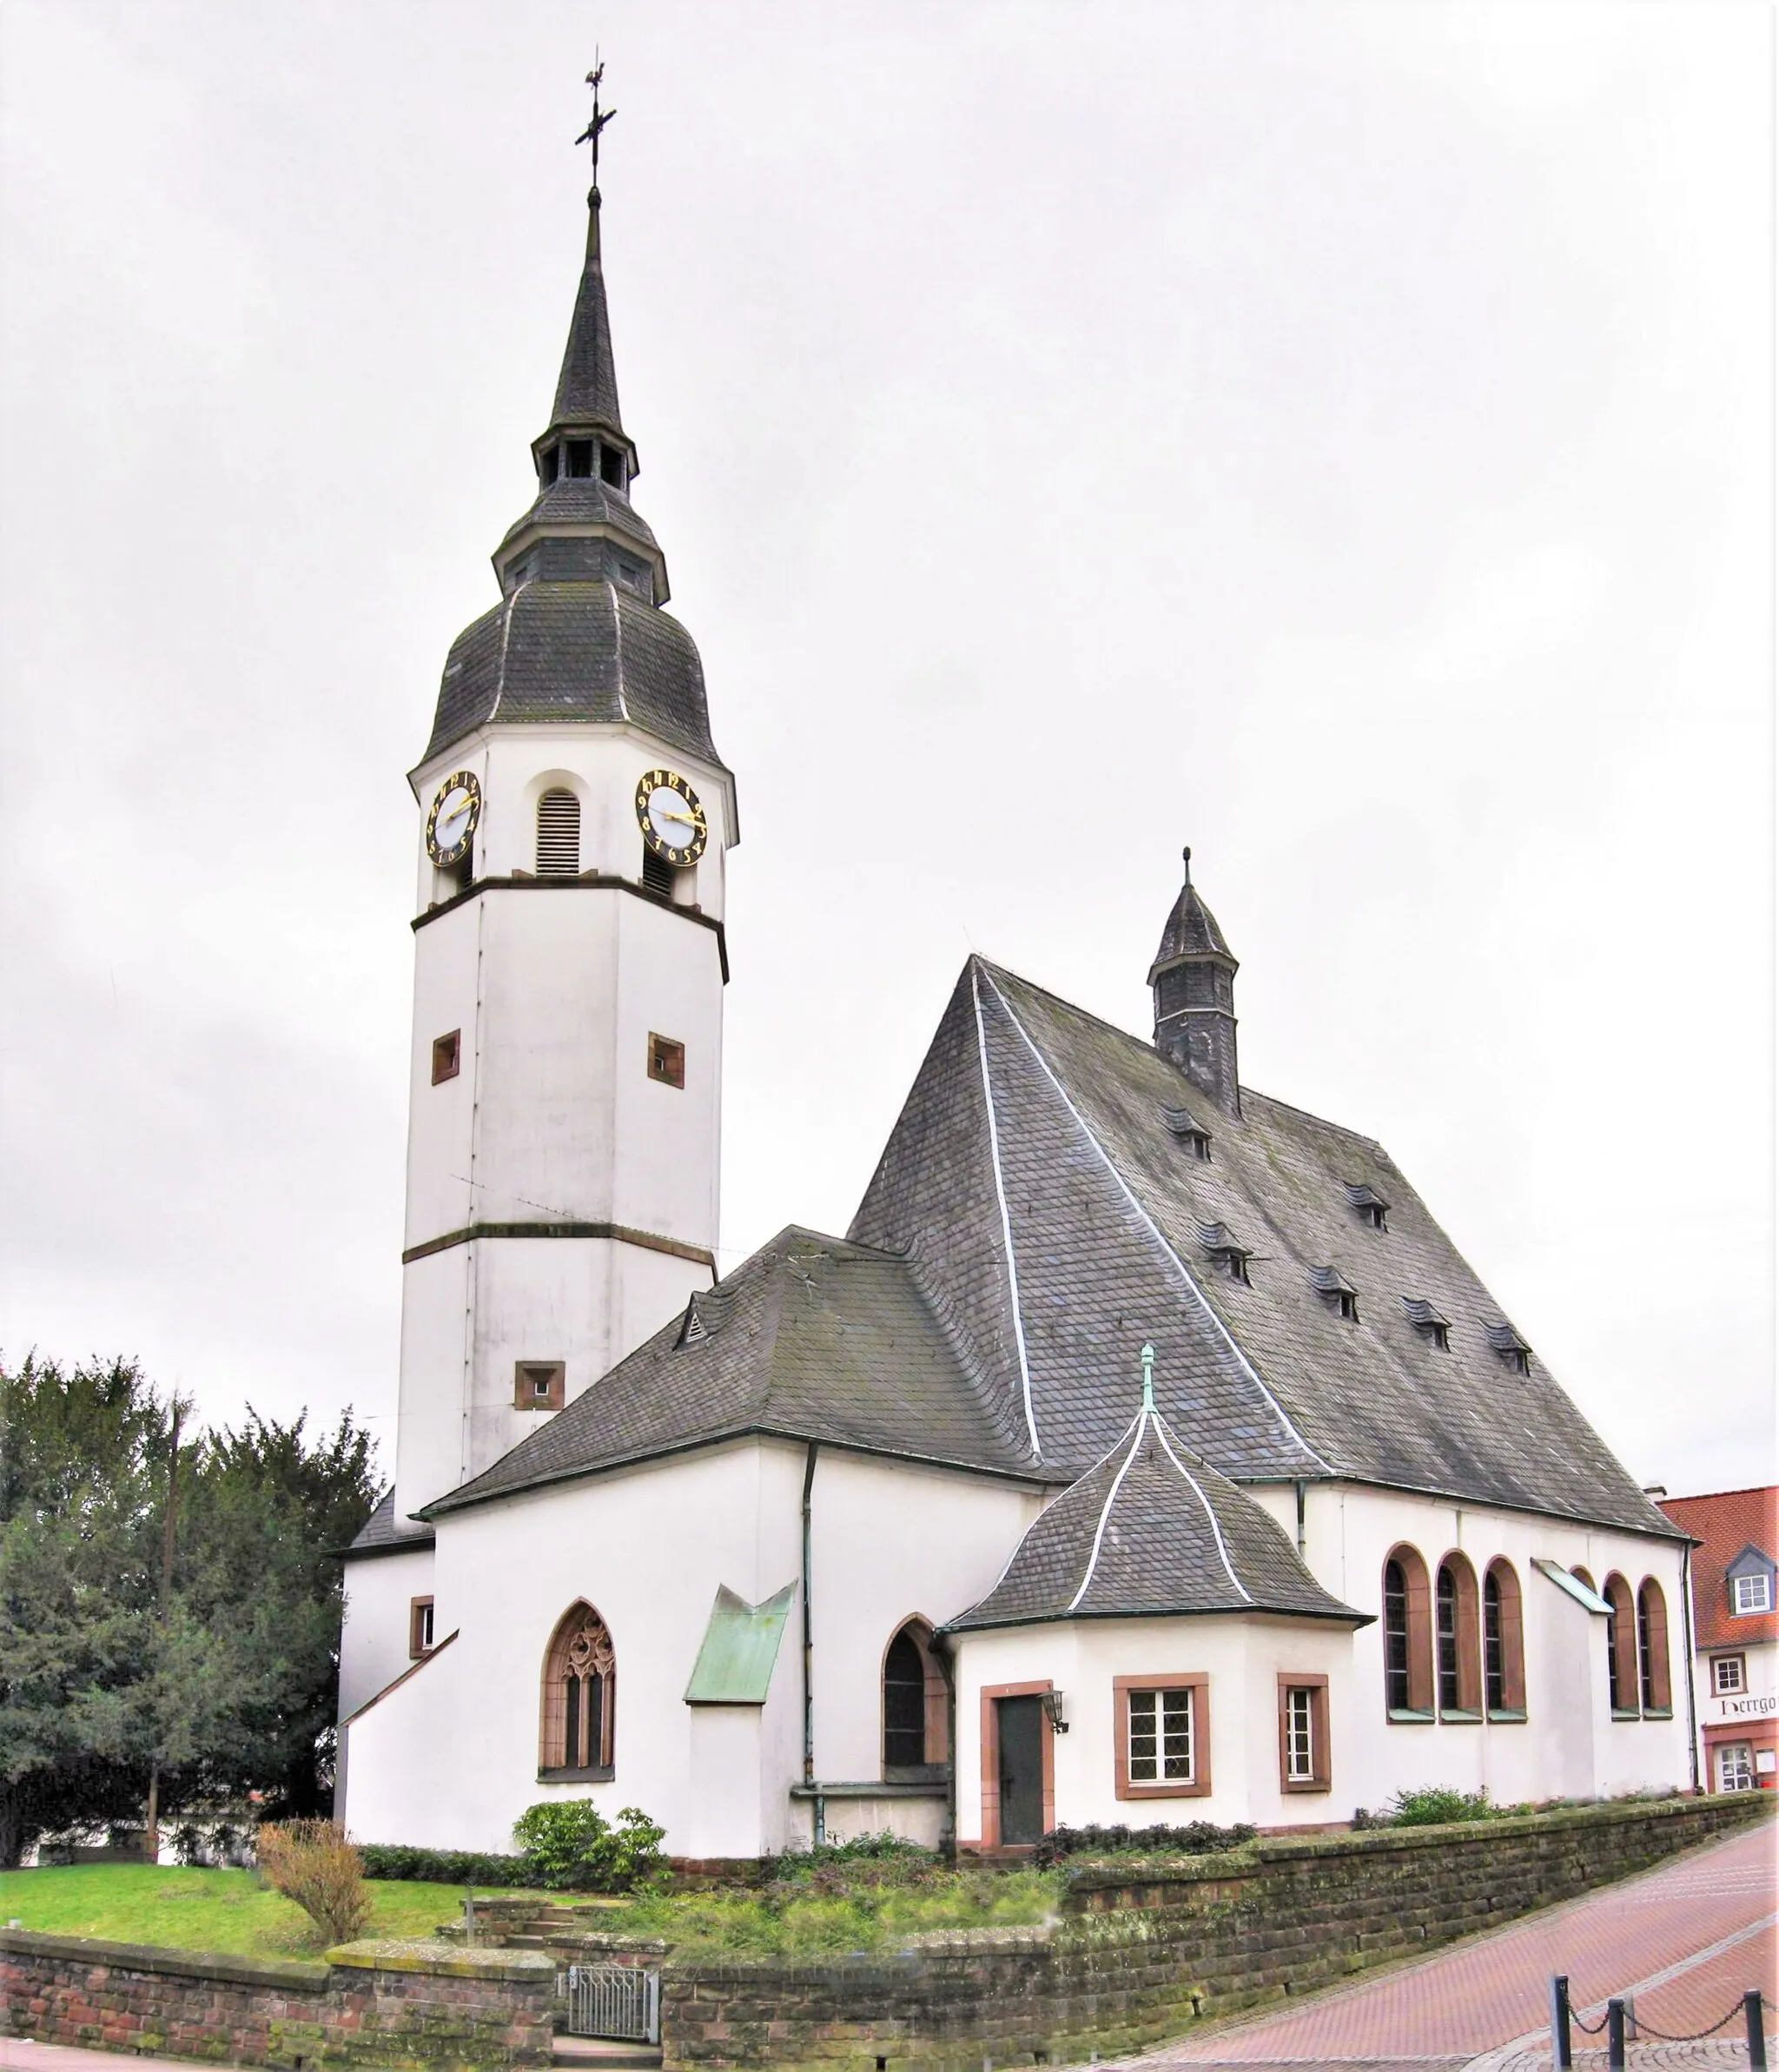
1145	1451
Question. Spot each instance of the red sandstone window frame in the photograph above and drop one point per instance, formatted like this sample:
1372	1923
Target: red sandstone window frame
991	1758
1199	1683
1622	1681
447	1057
540	1384
1655	1690
1512	1641
1416	1638
1460	1694
1322	1764
420	1627
556	1760
666	1061
936	1750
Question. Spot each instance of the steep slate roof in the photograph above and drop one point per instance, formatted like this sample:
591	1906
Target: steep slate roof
1051	1214
1191	928
1151	1530
1725	1523
377	1534
586	390
813	1337
583	652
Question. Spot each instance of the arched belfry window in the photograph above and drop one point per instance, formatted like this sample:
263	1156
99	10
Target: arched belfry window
559	835
915	1724
581	1686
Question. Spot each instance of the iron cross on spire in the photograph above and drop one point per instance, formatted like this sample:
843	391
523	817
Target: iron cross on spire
590	134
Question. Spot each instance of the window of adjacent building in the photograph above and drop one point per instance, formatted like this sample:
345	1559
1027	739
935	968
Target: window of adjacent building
420	1626
1652	1648
1303	1734
1621	1646
1729	1674
667	1060
580	1686
1752	1593
1408	1637
447	1055
1503	1660
1163	1737
1735	1766
558	834
540	1384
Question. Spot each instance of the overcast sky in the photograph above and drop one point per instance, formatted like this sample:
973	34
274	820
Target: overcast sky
1337	436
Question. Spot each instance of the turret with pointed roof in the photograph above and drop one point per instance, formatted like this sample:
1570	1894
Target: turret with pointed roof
1193	980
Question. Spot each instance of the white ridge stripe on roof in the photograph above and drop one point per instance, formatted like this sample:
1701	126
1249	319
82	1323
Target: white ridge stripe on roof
1179	1265
1025	1373
1216	1530
1106	1509
501	672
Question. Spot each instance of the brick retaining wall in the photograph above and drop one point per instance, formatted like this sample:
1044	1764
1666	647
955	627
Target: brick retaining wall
1136	1959
422	2007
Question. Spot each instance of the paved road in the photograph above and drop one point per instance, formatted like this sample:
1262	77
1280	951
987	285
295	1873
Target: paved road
1687	1939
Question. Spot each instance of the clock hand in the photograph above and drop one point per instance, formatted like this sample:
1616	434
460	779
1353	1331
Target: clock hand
685	819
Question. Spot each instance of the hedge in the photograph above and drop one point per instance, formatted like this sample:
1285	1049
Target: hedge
446	1866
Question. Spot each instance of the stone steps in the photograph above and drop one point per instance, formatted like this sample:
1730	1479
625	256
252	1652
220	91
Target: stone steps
600	2054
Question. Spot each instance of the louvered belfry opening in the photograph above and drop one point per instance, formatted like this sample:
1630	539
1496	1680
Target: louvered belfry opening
559	835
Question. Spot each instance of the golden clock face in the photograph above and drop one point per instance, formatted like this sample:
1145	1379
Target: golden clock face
671	819
452	819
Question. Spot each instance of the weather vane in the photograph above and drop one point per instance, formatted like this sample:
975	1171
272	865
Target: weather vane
590	134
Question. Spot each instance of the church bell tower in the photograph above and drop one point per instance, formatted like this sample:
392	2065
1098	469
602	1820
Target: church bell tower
1193	981
573	820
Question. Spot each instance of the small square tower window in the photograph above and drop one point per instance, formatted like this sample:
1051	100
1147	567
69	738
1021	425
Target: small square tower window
667	1060
447	1055
579	453
539	1385
611	466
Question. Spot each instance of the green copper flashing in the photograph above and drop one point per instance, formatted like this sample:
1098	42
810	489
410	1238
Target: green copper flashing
740	1647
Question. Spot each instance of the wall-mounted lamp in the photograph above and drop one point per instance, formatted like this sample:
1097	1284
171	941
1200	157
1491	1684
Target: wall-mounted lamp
1053	1712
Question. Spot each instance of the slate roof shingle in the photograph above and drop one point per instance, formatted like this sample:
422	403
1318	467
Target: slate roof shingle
1150	1530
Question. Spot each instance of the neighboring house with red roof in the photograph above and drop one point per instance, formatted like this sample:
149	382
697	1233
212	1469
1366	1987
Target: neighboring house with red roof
1736	1633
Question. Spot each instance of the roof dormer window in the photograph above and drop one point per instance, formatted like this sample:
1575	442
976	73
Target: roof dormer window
1337	1291
1435	1328
1191	1132
1226	1250
1510	1346
1373	1209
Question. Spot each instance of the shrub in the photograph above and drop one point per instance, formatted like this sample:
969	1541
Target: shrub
1434	1805
311	1861
1197	1838
865	1863
445	1866
570	1847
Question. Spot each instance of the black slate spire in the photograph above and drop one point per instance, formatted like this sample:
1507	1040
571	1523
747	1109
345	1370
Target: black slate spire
587	392
1193	980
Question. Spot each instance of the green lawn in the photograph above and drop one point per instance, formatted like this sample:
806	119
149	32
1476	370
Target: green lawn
200	1909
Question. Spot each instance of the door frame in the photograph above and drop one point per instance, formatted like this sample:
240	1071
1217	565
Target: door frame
991	1761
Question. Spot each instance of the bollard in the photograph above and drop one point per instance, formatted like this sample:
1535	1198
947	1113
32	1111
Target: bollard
1562	2056
1757	2032
1615	2035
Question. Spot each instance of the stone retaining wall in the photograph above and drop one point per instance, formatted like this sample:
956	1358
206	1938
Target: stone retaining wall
1139	1958
419	2006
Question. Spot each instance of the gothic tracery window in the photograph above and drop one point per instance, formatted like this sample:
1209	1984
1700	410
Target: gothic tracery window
580	1681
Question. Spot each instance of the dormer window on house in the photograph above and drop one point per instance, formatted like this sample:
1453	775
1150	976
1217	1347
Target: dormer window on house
1373	1209
1226	1252
1751	1593
1435	1328
1191	1132
1337	1291
1510	1346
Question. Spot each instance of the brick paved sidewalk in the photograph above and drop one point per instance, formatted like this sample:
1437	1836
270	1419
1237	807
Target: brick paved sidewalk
1688	1937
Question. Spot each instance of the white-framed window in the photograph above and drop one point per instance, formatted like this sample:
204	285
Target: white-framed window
1299	1736
1729	1673
1735	1766
1753	1593
1162	1738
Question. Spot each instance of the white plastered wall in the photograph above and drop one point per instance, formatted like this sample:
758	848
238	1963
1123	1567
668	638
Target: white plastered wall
1568	1746
379	1590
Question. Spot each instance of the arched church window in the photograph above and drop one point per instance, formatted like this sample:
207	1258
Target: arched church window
1652	1647
1503	1645
580	1681
1456	1621
559	835
914	1703
1621	1646
1408	1635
